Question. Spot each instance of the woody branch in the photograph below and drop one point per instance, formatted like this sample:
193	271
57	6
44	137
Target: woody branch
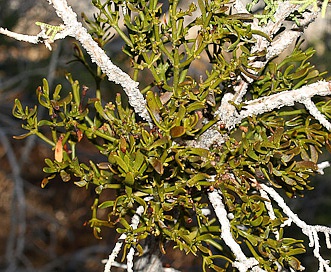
75	29
242	263
302	95
228	115
311	231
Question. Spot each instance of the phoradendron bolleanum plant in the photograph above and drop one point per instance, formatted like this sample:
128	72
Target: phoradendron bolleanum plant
199	170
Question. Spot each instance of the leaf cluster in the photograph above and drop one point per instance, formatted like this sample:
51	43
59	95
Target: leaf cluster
139	163
292	72
158	168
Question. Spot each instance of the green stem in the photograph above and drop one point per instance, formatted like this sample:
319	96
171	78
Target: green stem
98	83
294	112
44	138
89	121
123	36
152	4
135	74
98	133
116	27
54	136
73	149
106	137
183	75
66	137
194	55
210	78
202	9
174	33
161	44
147	88
207	126
151	67
207	20
94	208
176	73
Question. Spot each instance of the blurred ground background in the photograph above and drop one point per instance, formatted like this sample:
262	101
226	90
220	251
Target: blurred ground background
43	229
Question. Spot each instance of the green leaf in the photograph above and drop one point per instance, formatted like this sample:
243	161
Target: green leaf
159	143
138	160
157	165
305	166
250	152
65	176
294	263
289	180
120	162
99	189
81	183
154	105
100	110
129	178
197	178
197	105
23	136
45	123
251	238
277	136
106	204
256	222
296	251
177	131
56	94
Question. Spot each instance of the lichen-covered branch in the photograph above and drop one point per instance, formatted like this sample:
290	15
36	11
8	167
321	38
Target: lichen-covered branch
270	209
75	29
228	115
114	73
311	231
22	37
321	166
134	224
278	43
242	262
279	100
